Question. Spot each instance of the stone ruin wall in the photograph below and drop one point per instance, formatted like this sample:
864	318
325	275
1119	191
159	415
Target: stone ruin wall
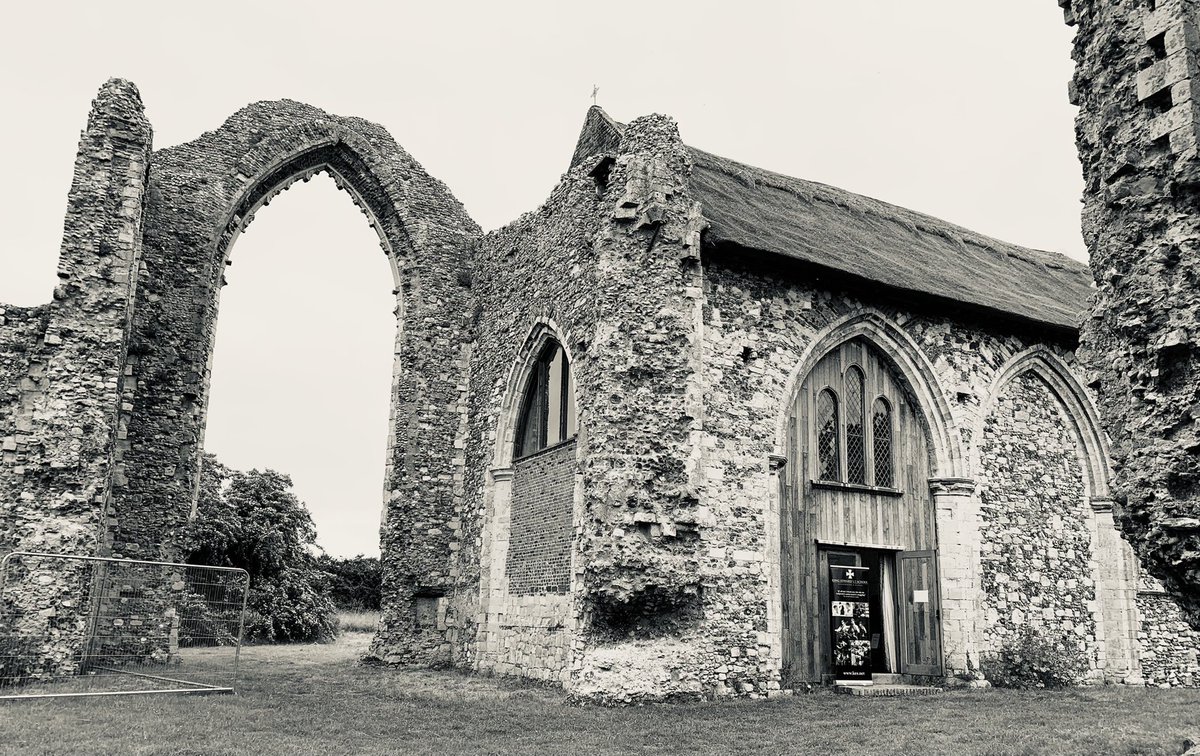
1136	83
535	276
1170	647
103	390
22	367
61	374
609	266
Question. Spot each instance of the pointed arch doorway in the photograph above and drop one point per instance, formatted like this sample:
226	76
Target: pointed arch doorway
855	493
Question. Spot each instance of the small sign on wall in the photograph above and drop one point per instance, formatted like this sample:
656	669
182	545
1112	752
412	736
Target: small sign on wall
920	597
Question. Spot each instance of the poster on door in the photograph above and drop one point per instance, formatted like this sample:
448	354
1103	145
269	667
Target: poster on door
850	624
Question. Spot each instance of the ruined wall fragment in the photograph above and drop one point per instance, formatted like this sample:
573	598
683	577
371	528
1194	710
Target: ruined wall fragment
61	375
608	266
1135	84
62	363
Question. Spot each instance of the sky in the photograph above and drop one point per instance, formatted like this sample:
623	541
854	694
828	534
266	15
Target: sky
955	108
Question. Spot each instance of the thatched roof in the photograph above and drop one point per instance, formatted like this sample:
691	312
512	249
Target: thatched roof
751	209
882	243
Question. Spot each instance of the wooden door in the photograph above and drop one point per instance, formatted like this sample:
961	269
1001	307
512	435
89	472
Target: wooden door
920	617
875	496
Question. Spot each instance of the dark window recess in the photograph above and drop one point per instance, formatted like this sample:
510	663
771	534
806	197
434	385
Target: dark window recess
827	436
1160	101
1158	45
856	442
548	405
881	436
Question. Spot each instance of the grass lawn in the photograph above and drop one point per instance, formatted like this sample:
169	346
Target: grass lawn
358	621
313	699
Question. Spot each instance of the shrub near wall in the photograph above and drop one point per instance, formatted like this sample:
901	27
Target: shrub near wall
355	583
253	521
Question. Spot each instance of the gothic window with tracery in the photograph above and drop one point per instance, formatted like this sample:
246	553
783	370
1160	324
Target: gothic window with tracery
548	407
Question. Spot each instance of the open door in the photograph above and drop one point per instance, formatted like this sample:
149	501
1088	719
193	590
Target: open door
920	617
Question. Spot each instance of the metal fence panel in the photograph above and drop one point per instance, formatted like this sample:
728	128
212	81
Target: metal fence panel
87	626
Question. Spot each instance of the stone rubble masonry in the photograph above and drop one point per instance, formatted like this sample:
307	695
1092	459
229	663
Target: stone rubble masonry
759	322
62	365
62	370
666	576
1170	648
1135	83
1036	550
609	267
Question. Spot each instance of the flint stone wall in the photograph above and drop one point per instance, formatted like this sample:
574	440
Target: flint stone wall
1170	648
1038	569
607	266
22	368
757	325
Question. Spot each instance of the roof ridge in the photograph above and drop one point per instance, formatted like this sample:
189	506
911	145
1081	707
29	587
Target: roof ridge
913	219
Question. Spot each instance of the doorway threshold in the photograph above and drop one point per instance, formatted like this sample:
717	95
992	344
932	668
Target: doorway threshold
887	690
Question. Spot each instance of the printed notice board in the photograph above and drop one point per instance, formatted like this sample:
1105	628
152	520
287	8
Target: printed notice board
850	624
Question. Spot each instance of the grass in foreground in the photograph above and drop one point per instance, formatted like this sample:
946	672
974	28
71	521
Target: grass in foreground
358	621
314	700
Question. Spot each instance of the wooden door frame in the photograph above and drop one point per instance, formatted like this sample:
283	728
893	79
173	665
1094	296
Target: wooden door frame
939	668
823	549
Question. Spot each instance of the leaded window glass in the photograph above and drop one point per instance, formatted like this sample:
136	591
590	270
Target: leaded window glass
828	452
856	442
881	437
548	407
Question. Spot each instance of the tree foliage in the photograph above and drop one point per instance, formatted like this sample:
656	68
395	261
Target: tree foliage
253	520
355	583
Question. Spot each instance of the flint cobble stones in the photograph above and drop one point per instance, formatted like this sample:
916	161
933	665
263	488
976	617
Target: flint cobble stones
1036	550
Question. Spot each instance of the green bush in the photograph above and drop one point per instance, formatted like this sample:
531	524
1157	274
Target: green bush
355	583
1031	660
203	624
253	520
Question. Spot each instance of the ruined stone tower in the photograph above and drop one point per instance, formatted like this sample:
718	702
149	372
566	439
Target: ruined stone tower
1137	83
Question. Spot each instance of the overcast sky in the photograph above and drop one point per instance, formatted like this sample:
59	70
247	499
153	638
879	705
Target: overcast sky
956	108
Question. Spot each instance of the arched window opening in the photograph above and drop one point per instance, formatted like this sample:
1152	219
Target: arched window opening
548	408
856	437
881	438
828	452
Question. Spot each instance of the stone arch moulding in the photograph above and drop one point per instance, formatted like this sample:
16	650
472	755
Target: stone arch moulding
1084	421
201	196
914	367
544	329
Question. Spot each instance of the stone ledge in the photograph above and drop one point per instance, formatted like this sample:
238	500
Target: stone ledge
886	691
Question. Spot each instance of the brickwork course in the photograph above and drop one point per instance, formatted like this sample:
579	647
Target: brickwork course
692	295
